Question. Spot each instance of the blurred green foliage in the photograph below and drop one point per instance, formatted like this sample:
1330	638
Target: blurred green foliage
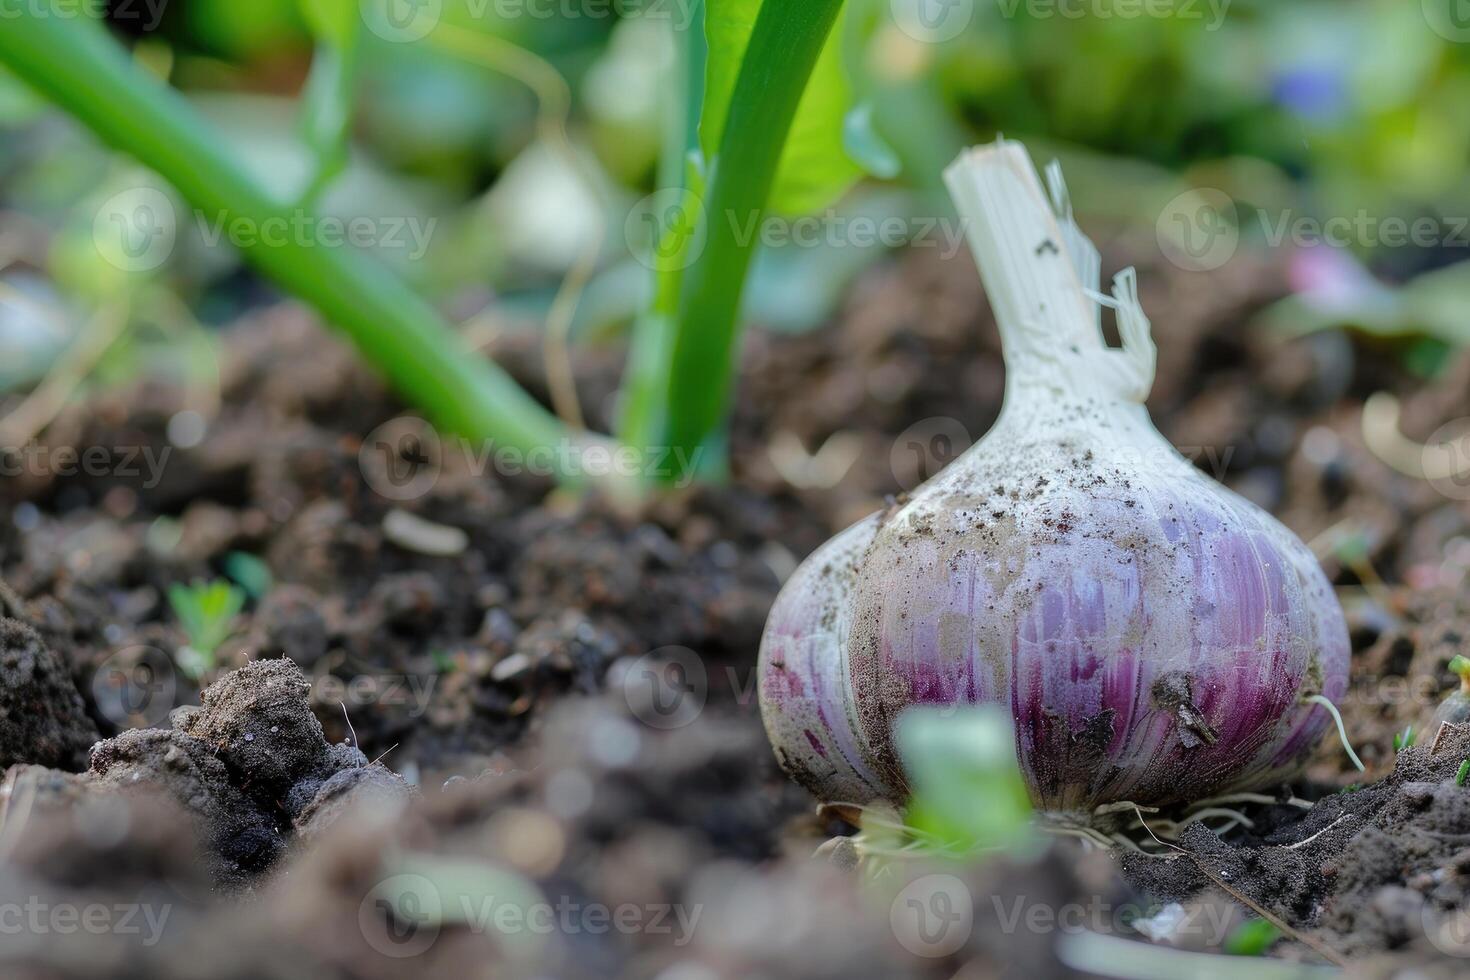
968	791
1316	108
207	613
1252	938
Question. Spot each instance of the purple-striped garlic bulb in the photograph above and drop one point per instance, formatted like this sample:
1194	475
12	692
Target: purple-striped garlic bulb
1155	637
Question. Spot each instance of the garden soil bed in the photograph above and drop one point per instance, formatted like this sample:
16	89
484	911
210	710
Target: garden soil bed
455	697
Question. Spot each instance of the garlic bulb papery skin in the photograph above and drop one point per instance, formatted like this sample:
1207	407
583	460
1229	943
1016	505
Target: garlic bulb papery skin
1153	635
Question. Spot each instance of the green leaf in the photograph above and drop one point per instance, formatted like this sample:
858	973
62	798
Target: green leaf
207	612
1252	938
968	789
1404	739
18	104
331	21
1428	357
782	53
816	168
327	111
727	28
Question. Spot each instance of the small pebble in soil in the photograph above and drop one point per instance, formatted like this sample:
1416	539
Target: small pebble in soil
413	533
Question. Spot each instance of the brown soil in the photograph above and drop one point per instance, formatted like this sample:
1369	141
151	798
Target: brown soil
516	669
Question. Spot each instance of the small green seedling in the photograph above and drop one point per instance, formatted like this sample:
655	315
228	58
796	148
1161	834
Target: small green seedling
968	788
207	611
1402	740
968	793
1252	938
1464	771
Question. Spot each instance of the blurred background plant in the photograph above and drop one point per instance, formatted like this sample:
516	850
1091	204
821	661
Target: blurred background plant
206	611
1302	111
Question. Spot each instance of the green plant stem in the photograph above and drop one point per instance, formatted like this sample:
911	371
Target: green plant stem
76	65
646	379
784	46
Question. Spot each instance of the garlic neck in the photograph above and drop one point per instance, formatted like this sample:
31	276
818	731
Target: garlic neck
1041	276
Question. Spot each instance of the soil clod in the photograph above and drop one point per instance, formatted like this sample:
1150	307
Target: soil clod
42	717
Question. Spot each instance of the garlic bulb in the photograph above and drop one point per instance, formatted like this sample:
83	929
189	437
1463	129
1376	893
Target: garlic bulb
1154	636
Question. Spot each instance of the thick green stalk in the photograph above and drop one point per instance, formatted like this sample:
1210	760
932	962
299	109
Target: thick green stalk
76	65
784	46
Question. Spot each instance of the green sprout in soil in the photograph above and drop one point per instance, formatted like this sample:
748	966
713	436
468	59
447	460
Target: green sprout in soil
1404	739
746	133
1252	938
969	798
968	787
206	611
1464	772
